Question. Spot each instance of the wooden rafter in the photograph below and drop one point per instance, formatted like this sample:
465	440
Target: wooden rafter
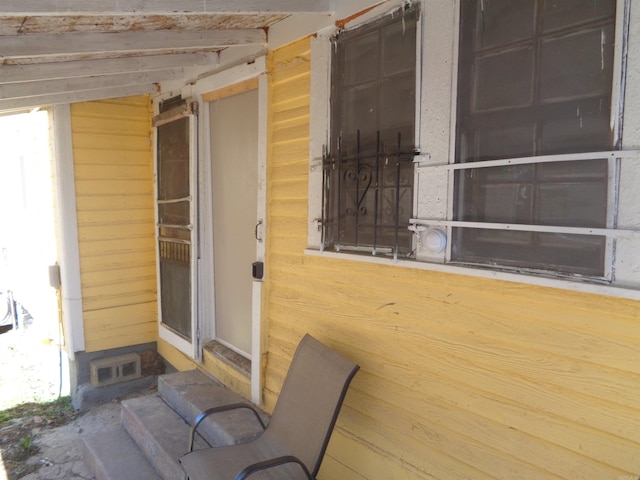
66	85
156	41
112	66
71	97
164	7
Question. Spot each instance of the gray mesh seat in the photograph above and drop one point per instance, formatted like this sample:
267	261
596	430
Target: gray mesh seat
294	442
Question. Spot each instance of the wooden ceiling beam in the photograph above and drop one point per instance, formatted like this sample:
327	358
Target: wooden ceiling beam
76	96
69	85
109	66
38	45
163	7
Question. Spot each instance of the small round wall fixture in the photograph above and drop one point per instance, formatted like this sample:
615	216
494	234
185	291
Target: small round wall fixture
435	240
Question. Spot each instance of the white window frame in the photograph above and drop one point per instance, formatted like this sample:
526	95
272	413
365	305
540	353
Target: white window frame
438	31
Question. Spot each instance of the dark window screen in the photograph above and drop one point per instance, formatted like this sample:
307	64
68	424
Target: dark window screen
174	231
535	78
368	190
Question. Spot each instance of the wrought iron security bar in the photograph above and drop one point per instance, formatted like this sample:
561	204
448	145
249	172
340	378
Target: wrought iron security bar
368	198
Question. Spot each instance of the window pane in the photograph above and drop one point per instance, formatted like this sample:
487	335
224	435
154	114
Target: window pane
500	194
175	291
587	170
368	182
571	204
173	160
582	126
563	13
501	22
504	80
507	174
507	203
397	103
535	78
398	50
570	69
174	213
361	59
360	110
560	253
572	193
175	233
508	142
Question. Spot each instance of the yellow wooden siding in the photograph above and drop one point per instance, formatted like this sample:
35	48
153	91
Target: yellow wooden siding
234	380
461	377
113	168
175	357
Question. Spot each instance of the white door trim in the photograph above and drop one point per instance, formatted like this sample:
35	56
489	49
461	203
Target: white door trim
207	261
256	325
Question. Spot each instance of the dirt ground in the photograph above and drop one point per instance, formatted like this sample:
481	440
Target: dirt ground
38	446
29	366
29	372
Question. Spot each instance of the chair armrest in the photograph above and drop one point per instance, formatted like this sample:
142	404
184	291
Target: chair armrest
222	408
274	462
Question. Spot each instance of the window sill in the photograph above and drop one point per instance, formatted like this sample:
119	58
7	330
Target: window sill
542	281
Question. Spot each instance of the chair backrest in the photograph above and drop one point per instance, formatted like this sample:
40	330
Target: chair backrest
310	400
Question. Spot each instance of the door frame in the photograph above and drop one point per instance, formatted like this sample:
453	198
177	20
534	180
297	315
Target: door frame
230	82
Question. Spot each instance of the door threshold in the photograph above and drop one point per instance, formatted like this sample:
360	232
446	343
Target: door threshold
229	357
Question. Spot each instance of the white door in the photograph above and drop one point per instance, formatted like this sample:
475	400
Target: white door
234	152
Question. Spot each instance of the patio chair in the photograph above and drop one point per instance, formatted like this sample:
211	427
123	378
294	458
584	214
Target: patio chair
291	447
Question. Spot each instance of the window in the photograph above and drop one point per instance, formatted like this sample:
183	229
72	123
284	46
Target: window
535	175
535	78
368	166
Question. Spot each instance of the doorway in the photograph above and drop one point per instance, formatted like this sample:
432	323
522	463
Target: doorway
27	249
234	129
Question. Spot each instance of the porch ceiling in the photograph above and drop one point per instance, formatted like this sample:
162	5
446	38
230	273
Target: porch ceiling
59	51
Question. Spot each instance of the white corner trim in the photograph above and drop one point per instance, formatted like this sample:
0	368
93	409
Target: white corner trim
67	221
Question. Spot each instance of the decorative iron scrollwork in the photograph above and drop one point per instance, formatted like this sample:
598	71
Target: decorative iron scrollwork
360	179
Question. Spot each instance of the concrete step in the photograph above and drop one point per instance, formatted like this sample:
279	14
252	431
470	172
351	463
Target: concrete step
87	396
190	393
112	455
159	433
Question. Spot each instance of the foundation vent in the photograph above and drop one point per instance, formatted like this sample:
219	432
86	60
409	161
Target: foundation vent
110	370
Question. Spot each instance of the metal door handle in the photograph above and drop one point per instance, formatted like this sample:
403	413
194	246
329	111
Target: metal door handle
255	231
